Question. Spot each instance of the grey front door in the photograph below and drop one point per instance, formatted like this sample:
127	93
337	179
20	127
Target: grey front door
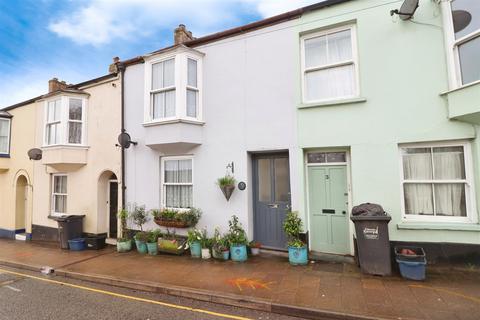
271	199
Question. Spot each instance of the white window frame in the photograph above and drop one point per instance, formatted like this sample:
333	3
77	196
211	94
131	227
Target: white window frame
52	210
65	120
353	61
163	184
164	89
9	121
452	44
470	195
181	57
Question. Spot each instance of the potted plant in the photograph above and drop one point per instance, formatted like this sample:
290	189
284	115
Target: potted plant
141	242
152	244
124	243
217	245
255	247
194	237
237	239
171	243
227	185
139	216
171	218
297	250
206	244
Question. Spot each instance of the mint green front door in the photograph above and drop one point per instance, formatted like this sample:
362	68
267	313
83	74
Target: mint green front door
328	209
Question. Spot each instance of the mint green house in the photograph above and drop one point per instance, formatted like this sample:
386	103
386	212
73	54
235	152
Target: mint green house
389	113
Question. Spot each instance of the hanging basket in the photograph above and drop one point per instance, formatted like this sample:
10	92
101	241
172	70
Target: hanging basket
227	191
172	223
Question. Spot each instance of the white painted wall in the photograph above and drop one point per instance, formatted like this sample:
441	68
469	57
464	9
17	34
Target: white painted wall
249	84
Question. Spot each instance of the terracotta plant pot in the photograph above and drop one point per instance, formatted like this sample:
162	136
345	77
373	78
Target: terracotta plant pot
227	191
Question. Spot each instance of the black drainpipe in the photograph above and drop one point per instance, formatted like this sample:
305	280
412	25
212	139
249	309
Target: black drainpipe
121	68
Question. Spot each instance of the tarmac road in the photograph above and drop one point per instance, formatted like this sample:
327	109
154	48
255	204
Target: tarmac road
24	297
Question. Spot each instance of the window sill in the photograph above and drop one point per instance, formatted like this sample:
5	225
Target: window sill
459	88
438	226
331	103
68	146
162	122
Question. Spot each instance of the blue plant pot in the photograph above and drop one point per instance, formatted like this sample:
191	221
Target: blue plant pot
298	256
196	249
226	255
238	253
152	248
141	247
124	246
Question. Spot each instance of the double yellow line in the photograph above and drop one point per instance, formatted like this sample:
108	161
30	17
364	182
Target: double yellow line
118	295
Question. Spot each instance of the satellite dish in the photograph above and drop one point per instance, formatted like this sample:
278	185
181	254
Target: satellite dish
124	140
461	19
407	10
35	154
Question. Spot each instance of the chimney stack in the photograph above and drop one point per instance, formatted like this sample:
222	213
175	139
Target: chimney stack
55	85
113	68
181	34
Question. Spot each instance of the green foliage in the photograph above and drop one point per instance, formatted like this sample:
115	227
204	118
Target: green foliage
205	241
254	244
142	236
236	234
194	235
139	216
293	227
123	216
189	217
226	180
153	236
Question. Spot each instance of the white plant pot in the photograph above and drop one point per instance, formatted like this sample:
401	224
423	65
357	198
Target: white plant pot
255	251
206	253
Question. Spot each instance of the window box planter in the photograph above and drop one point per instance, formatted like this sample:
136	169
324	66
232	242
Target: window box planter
172	223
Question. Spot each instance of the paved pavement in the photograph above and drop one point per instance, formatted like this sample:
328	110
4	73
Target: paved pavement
22	297
269	283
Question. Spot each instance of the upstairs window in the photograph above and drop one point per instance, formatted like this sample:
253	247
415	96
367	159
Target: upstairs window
437	182
174	87
64	121
163	89
4	136
329	65
465	17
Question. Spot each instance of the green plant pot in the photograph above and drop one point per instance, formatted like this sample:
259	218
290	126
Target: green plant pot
141	246
226	254
124	246
196	249
152	248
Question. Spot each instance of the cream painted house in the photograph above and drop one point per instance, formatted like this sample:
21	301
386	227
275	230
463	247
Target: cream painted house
75	129
16	170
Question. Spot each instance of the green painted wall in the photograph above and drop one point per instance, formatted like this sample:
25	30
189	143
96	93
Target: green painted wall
403	71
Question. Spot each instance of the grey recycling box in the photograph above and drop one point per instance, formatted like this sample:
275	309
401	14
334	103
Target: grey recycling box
373	243
69	228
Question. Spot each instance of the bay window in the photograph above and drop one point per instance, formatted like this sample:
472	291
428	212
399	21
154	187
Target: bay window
437	182
59	194
463	37
64	121
4	136
329	66
177	182
173	87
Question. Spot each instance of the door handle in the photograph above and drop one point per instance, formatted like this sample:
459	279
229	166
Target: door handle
273	205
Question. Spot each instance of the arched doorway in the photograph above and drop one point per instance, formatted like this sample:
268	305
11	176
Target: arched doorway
21	201
108	203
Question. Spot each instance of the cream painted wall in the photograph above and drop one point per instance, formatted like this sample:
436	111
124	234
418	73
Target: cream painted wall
22	139
84	196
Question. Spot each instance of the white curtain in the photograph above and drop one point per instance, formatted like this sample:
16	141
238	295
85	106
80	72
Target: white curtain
178	171
163	104
191	103
330	83
74	132
192	73
448	164
4	133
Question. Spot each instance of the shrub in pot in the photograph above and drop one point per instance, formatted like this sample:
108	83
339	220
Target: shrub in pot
206	244
227	185
141	242
237	240
194	237
124	243
255	247
152	244
297	250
